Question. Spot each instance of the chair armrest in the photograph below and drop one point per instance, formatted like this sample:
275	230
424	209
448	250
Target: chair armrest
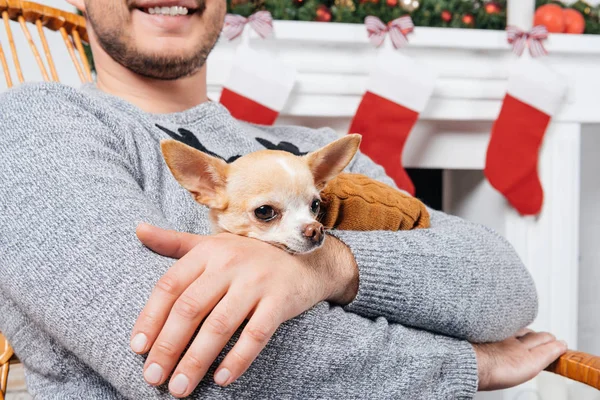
6	352
580	367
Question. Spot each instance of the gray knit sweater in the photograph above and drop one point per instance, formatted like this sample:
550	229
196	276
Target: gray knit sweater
79	169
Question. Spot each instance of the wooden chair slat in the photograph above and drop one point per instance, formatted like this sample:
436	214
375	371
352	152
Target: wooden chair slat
34	49
86	65
5	68
6	353
13	48
46	47
4	369
71	50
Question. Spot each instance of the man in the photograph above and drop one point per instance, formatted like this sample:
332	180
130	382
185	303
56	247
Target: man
94	314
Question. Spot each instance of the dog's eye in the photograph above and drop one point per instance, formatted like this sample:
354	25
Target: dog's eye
265	213
315	206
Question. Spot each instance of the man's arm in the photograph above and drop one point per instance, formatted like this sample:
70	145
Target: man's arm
72	264
457	278
530	351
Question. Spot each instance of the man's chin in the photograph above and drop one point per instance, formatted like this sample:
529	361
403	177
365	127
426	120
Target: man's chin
168	65
165	72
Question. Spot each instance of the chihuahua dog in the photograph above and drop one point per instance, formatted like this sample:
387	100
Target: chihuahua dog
270	195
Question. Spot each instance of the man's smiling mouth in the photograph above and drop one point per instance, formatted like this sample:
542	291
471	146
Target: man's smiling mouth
168	8
173	11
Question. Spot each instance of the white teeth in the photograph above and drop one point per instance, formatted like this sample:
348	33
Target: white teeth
170	11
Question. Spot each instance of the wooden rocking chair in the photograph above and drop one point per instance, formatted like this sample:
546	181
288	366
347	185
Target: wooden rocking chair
71	26
581	367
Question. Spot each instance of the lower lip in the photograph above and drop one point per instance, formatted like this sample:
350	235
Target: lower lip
165	22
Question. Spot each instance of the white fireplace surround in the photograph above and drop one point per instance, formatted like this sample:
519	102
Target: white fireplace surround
333	61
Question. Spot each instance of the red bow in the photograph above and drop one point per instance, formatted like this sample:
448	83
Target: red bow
398	29
261	22
533	39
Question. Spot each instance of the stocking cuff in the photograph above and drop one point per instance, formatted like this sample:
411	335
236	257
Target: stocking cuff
401	79
534	83
261	78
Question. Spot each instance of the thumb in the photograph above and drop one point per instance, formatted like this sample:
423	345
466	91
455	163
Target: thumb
166	242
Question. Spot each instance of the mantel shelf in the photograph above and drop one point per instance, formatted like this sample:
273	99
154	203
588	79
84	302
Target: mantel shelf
425	37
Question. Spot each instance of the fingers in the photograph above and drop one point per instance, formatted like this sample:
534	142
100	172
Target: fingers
187	313
216	331
534	339
523	332
253	340
167	290
168	243
547	353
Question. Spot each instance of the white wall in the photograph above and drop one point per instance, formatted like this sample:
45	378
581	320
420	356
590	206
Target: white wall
589	274
31	72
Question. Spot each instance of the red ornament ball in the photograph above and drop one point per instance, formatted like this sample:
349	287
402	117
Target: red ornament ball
492	8
468	19
446	16
574	21
551	16
391	3
323	13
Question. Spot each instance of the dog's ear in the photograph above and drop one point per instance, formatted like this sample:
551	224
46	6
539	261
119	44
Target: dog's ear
202	175
327	162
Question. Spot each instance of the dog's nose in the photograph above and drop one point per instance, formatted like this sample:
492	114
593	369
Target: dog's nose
314	232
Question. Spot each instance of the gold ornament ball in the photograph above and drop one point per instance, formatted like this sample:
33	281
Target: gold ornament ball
409	5
349	4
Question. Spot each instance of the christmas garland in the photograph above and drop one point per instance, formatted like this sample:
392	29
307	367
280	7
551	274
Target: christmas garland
478	14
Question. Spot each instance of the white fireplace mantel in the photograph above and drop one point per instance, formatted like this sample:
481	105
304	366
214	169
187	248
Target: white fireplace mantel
333	62
472	67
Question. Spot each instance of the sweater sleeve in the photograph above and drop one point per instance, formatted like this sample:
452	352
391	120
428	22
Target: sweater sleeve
457	278
71	265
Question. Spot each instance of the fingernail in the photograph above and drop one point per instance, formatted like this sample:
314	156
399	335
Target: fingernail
138	343
179	384
222	376
564	343
153	374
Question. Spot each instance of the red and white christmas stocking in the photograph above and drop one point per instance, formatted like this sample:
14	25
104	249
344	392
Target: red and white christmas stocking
397	92
535	93
259	84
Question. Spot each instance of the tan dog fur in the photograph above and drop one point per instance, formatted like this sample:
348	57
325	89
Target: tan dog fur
287	183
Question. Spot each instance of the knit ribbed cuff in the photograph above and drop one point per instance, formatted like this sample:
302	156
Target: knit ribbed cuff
462	375
379	289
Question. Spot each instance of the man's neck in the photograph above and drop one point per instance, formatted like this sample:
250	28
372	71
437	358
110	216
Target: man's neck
150	95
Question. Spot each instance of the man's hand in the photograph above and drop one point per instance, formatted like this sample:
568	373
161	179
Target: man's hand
219	282
516	360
